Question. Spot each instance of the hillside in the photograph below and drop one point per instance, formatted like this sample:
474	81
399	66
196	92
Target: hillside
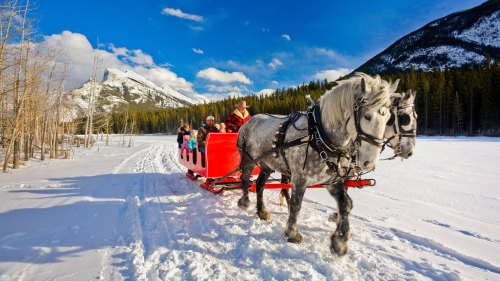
460	39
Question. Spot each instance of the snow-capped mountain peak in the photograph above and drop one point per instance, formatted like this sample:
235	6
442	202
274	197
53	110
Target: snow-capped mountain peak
125	90
460	39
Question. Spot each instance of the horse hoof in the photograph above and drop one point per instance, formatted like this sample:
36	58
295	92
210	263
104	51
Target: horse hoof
297	239
264	215
338	246
244	203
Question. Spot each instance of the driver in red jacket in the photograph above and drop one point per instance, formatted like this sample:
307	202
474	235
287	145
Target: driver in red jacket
237	118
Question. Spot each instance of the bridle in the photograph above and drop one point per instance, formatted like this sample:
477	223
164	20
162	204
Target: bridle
397	121
362	136
327	149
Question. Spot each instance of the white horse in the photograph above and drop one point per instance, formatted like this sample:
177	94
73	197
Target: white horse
350	120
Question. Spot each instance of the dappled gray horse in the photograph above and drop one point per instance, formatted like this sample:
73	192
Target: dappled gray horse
352	118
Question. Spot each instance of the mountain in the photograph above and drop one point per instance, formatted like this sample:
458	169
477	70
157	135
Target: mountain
128	90
460	39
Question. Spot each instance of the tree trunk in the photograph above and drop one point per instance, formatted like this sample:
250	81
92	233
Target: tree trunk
17	152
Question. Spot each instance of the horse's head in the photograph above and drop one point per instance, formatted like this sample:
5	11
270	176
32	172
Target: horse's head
371	112
402	126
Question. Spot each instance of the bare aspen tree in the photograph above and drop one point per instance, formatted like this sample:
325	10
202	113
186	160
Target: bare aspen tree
22	79
92	96
31	108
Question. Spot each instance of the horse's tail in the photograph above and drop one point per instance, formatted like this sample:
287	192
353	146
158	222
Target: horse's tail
240	141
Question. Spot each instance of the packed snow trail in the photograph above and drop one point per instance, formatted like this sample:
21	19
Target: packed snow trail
131	214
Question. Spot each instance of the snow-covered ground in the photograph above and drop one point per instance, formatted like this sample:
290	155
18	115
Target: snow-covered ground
115	213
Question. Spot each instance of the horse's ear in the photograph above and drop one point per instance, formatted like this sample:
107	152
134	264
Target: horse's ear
394	86
363	85
407	95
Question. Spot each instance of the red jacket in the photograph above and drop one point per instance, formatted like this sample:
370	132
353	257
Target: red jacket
236	120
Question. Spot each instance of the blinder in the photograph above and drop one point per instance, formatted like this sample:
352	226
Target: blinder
404	119
391	120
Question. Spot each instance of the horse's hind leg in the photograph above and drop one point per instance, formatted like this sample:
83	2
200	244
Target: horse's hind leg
344	204
260	185
291	232
247	169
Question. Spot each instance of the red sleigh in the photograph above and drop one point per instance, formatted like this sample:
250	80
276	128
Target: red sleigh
219	166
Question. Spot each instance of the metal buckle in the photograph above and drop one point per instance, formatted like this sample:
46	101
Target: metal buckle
323	155
358	103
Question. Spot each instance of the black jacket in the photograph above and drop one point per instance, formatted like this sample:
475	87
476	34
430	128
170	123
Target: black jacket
181	133
203	133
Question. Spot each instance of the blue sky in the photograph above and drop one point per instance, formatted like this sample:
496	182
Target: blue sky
221	48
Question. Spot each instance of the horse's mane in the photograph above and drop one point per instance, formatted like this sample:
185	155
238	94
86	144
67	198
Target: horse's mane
337	104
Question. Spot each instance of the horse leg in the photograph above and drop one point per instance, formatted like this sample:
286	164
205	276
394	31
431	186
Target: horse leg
244	201
344	205
291	232
284	195
265	173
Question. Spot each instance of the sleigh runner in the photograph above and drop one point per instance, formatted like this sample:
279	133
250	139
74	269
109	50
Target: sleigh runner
219	166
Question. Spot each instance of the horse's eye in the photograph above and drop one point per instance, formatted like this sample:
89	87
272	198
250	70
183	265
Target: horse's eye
368	117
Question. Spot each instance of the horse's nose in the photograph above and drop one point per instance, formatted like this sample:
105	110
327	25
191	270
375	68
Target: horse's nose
410	154
367	165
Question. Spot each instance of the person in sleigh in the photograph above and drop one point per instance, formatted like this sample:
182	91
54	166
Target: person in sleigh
237	118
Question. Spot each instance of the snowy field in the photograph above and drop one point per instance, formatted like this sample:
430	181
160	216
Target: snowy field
115	213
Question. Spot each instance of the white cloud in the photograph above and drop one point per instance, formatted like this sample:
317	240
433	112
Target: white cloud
178	13
214	74
265	92
221	96
322	54
76	48
235	95
275	82
196	28
276	62
332	74
286	36
141	58
198	51
226	88
326	52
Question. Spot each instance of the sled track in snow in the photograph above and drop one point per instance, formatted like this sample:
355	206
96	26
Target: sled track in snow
155	194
